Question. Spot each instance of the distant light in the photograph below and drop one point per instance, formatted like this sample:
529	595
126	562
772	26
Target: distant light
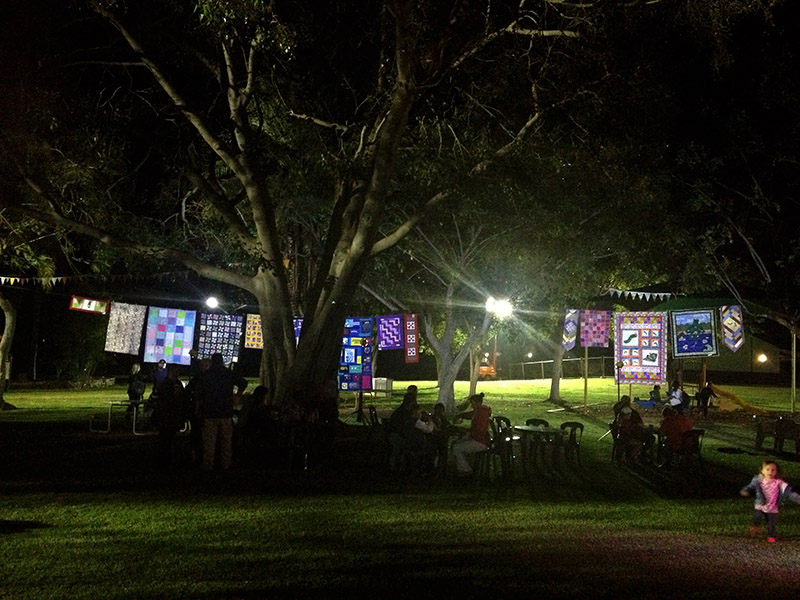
530	354
212	302
499	308
762	358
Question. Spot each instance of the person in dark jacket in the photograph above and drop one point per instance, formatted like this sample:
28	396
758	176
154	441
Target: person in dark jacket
169	415
214	390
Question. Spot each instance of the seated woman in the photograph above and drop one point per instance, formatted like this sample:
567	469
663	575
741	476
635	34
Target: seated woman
673	425
477	440
634	441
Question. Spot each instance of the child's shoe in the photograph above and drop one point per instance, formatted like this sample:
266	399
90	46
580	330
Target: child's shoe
771	540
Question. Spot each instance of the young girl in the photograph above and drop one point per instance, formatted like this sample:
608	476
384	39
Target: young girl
769	492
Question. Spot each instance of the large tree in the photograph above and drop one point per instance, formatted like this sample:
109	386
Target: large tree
264	146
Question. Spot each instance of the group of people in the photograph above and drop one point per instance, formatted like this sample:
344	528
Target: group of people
419	441
634	442
679	400
224	420
206	402
412	435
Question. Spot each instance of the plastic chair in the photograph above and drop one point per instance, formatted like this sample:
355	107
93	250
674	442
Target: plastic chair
538	443
691	447
504	443
573	434
484	459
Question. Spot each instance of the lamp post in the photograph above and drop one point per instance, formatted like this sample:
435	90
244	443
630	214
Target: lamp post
619	365
502	309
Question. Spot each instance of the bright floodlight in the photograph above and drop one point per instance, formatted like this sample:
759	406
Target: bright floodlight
499	308
212	302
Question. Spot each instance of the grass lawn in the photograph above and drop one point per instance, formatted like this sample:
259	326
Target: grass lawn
85	515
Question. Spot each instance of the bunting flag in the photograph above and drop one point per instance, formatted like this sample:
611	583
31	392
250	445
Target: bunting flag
634	295
99	307
355	362
411	338
570	329
47	282
732	323
390	333
220	334
595	328
254	336
639	350
125	324
694	333
169	335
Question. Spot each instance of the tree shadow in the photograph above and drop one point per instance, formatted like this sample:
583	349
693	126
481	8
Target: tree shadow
14	526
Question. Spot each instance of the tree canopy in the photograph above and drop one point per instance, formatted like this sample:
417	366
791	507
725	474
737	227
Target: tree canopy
279	147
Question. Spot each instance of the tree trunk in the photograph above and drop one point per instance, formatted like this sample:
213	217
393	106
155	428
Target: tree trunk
555	382
447	372
474	369
10	314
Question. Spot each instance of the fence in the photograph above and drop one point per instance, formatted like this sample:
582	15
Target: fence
599	366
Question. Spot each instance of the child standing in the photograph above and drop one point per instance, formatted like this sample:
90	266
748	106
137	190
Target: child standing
769	492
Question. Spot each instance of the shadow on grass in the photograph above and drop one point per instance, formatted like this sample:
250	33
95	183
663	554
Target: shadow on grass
11	526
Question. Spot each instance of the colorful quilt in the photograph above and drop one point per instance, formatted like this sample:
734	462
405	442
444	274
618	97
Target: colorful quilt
570	329
639	347
125	324
694	333
89	305
254	336
411	338
732	323
355	363
169	335
595	328
390	333
220	334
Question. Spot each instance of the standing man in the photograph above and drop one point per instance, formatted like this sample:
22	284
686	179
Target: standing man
214	390
159	375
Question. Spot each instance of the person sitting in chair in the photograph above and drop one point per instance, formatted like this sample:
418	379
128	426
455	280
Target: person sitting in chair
673	425
477	440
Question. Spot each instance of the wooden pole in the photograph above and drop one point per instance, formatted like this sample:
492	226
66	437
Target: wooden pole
794	369
585	378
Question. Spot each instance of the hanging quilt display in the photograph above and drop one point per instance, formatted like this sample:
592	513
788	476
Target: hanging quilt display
411	338
732	323
570	329
169	335
254	336
125	324
694	333
88	305
220	334
639	347
595	328
390	332
355	362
